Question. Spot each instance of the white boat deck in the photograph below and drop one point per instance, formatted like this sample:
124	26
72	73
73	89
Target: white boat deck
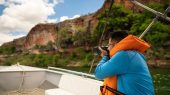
36	91
25	80
14	68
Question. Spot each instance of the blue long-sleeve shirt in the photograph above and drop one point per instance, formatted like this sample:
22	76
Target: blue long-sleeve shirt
131	69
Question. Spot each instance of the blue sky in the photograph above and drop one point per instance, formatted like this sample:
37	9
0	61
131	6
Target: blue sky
1	9
73	7
17	17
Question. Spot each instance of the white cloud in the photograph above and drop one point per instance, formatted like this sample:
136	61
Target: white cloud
52	20
63	18
8	37
2	1
22	15
75	16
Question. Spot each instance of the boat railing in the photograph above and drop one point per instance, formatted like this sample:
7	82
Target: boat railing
72	72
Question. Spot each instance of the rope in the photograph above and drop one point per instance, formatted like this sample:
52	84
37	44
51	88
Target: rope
23	77
24	92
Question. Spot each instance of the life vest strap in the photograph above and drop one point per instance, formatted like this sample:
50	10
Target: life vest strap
111	90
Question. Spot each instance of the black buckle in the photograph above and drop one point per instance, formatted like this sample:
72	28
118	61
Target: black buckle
101	89
111	90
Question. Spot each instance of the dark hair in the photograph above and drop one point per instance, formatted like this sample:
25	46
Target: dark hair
118	35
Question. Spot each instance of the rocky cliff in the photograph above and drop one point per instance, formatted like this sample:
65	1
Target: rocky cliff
17	43
41	34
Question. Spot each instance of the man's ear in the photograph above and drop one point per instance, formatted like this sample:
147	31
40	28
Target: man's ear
114	41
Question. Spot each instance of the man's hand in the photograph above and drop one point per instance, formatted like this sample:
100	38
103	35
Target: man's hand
103	52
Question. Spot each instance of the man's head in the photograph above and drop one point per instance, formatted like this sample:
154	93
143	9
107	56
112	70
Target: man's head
116	37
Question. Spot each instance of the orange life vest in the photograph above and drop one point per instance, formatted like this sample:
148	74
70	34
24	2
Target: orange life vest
129	43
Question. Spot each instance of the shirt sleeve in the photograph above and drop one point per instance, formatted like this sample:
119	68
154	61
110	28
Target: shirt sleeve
118	64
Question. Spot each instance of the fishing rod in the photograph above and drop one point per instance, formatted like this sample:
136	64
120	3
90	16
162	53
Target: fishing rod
102	36
158	15
101	39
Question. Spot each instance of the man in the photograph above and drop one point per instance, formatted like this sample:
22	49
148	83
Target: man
126	70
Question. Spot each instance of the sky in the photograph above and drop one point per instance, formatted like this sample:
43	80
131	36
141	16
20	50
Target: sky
17	17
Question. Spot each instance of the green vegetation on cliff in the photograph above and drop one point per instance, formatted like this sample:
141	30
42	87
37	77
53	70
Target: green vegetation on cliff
78	57
7	50
120	18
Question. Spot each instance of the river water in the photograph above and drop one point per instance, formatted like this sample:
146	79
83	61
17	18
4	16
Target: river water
161	78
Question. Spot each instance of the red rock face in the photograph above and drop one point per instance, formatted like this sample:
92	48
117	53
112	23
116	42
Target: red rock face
41	34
